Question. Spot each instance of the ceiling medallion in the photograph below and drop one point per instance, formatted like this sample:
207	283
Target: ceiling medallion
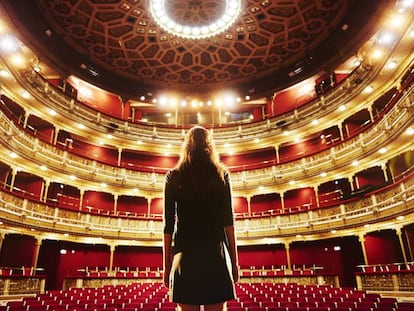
195	19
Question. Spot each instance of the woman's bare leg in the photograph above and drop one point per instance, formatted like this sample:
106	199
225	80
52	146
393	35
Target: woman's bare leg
216	307
182	307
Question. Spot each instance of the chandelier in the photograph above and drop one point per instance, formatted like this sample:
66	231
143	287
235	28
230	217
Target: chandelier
195	19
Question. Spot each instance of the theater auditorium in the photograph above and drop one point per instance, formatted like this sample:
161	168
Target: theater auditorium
311	108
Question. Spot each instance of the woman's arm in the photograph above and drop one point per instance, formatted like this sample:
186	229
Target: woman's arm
169	223
167	257
231	238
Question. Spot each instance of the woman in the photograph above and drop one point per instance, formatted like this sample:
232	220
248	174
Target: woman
203	267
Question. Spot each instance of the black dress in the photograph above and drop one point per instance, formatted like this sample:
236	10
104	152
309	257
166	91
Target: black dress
197	208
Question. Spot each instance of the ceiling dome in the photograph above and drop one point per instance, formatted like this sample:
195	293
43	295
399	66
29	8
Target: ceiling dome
121	47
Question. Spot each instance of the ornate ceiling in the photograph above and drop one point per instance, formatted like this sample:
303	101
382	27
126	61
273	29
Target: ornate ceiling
118	44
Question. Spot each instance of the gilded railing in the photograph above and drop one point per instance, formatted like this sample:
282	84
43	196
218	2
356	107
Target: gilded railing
55	99
379	208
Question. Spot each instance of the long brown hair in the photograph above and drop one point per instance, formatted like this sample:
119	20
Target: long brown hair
199	146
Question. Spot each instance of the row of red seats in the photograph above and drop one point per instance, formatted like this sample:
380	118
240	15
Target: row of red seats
23	271
295	297
148	272
137	296
250	297
271	273
388	268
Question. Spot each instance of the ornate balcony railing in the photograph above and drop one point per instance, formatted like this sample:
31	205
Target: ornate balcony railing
379	207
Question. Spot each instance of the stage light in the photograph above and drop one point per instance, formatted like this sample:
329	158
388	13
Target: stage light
392	64
8	44
13	155
368	89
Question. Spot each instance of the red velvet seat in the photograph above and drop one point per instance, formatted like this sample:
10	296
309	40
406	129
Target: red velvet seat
387	304
168	306
150	306
16	305
234	305
250	304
